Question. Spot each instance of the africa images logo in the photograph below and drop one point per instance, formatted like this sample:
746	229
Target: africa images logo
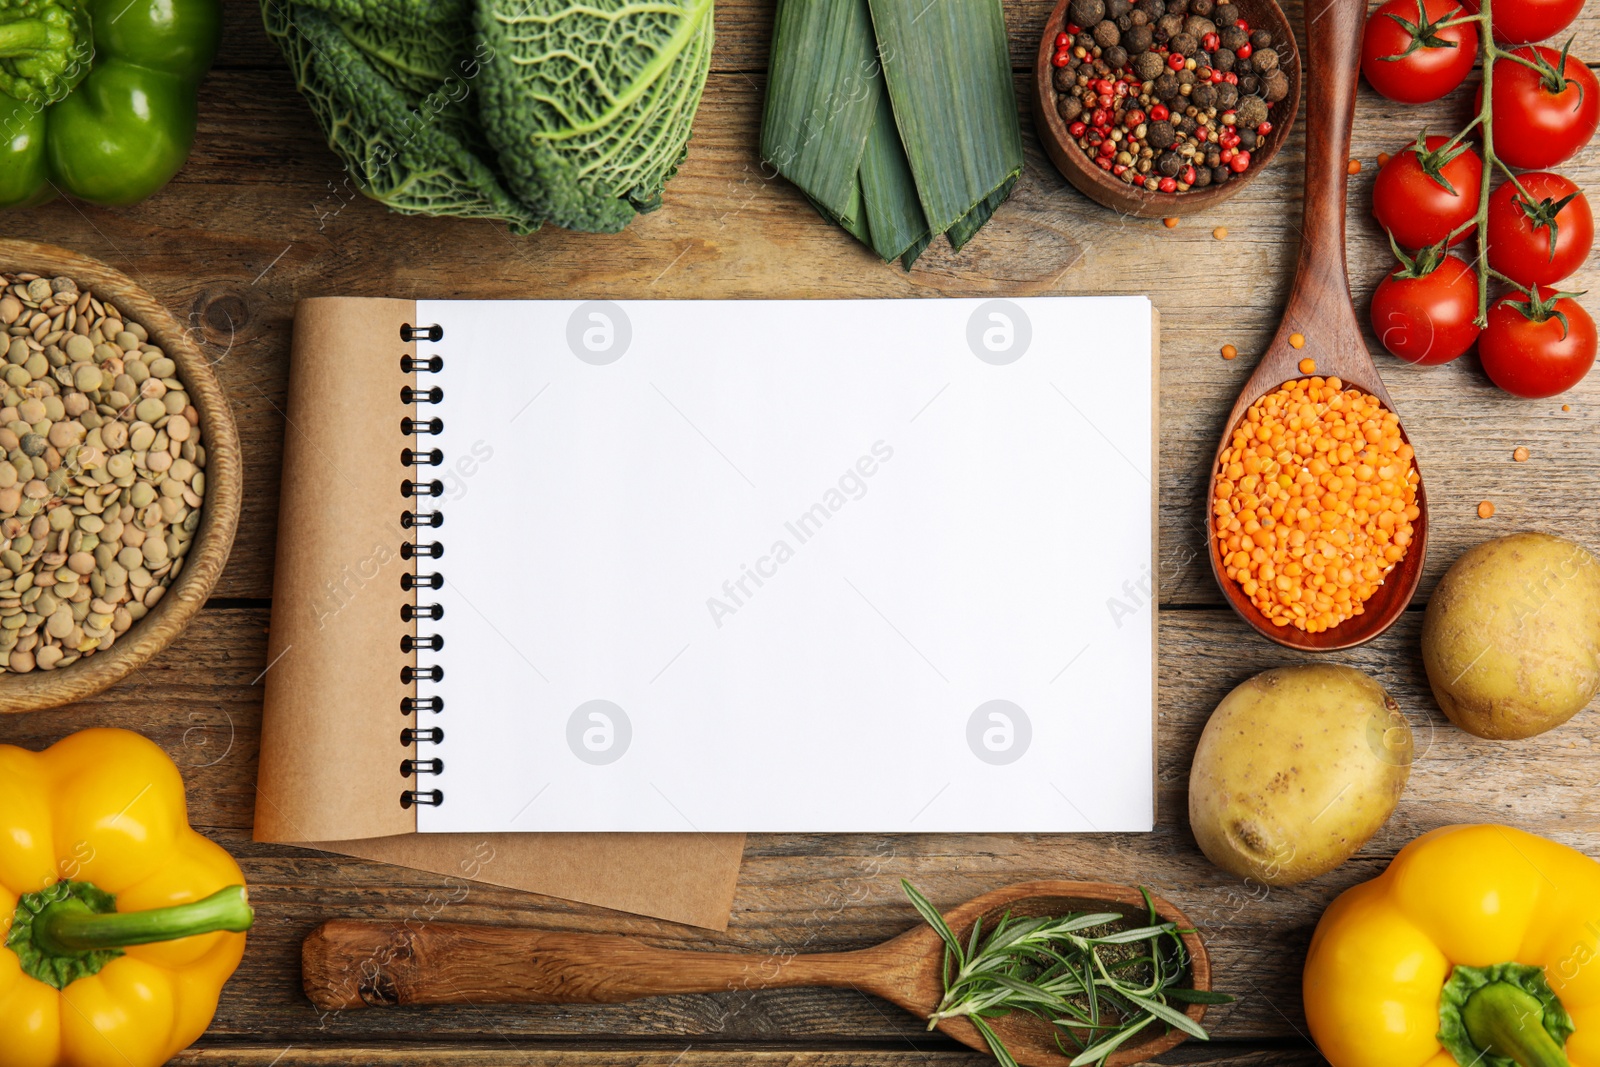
999	332
599	332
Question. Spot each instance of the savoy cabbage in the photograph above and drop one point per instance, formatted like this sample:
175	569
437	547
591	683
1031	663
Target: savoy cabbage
522	111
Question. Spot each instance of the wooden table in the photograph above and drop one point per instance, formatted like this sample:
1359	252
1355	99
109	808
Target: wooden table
263	215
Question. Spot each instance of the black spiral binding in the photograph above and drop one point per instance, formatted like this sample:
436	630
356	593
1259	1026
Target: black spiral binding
419	516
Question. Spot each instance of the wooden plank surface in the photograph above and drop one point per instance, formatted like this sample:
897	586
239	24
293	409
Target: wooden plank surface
262	217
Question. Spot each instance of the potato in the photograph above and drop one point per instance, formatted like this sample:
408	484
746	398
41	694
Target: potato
1296	769
1511	638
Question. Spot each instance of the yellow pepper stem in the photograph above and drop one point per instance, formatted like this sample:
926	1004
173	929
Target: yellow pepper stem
1505	1020
69	926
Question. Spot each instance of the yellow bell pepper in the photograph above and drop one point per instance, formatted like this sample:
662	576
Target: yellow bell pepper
120	924
1479	946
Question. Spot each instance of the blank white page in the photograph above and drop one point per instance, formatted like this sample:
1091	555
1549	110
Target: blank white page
873	566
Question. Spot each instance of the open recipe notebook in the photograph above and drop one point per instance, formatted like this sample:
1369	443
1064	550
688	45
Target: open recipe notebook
706	566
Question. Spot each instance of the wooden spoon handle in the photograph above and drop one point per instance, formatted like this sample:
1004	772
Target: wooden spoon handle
1333	53
355	964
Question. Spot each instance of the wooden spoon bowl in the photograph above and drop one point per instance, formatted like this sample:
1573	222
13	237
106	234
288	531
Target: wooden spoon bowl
219	515
1320	311
1103	188
349	964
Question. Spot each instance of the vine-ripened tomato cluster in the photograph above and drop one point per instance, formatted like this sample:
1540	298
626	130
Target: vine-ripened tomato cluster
1537	107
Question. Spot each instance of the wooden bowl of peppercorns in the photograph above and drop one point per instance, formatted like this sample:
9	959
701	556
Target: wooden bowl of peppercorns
1159	108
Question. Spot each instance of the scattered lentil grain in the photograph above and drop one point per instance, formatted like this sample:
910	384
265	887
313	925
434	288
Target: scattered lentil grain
1229	352
1486	509
1220	233
1353	167
1297	340
1308	366
1520	455
1170	223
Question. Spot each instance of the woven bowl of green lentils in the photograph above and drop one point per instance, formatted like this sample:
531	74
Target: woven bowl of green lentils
120	482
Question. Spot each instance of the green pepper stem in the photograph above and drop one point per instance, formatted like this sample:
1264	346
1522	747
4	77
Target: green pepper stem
23	38
69	927
1507	1021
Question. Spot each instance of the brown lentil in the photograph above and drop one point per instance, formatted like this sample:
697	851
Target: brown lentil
94	427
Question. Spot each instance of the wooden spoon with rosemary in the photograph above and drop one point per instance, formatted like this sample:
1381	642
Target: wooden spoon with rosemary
348	964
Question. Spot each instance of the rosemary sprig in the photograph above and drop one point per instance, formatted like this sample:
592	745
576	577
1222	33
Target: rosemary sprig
1099	985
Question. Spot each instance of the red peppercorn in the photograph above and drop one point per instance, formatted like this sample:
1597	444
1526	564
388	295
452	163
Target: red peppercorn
1187	175
1228	154
1231	78
1100	117
1264	129
1169	185
1243	51
1073	29
1210	42
1061	58
1122	89
1104	85
1103	163
1175	61
1108	148
1063	40
1104	99
1077	129
1133	118
1159	113
1216	77
1201	135
1243	25
1240	162
1119	169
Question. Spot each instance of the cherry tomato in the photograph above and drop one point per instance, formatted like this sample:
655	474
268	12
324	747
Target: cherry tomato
1427	320
1537	359
1416	207
1406	57
1523	245
1525	21
1541	120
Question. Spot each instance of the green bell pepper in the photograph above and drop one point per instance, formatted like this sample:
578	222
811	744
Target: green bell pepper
97	97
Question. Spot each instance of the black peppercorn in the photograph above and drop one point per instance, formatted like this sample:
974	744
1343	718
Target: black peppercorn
1204	94
1198	26
1222	60
1249	140
1265	61
1064	78
1251	111
1187	125
1202	7
1069	108
1261	39
1135	18
1124	23
1166	86
1226	14
1184	44
1233	38
1160	135
1166	26
1153	9
1169	163
1137	40
1178	7
1227	96
1106	33
1186	77
1116	57
1220	175
1276	85
1147	65
1118	8
1084	40
1202	177
1248	83
1086	12
1213	155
